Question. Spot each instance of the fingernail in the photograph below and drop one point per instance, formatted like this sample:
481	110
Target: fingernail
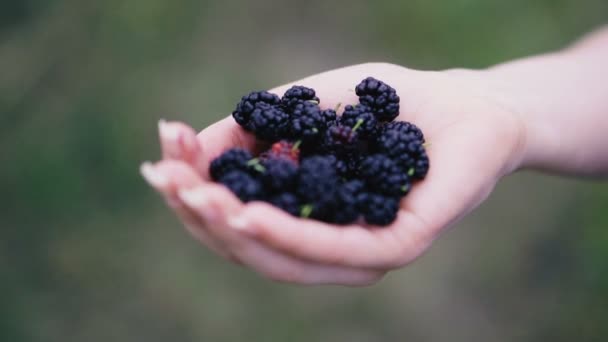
168	132
152	176
239	223
193	197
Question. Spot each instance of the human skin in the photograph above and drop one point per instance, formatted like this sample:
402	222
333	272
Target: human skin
547	112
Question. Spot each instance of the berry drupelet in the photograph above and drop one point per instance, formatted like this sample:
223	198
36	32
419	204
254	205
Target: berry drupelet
384	176
243	185
378	209
288	202
317	182
278	175
231	160
361	119
346	205
298	94
283	149
242	113
406	147
307	122
340	140
269	123
380	97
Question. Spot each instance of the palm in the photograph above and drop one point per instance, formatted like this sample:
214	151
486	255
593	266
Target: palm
472	141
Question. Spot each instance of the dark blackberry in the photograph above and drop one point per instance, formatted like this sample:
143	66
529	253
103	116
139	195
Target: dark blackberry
383	175
283	149
243	185
340	140
308	122
233	159
346	207
360	118
296	95
330	116
380	97
269	123
317	183
378	209
406	147
279	174
242	113
404	127
287	201
347	166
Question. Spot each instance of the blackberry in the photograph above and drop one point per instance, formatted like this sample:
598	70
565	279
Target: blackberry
268	122
340	140
233	159
242	113
243	185
384	176
279	174
317	183
287	201
404	127
378	209
298	94
330	116
308	122
346	206
360	118
283	149
347	166
405	146
380	97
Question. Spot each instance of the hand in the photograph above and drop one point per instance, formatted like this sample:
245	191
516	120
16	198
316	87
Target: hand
473	139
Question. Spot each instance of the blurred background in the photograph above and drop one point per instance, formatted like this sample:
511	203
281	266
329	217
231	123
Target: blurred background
89	253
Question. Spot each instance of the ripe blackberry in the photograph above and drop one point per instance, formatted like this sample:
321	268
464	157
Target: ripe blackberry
378	209
380	97
242	113
287	201
279	175
330	116
360	118
383	175
346	205
404	127
298	94
233	159
308	122
243	185
406	147
340	140
269	123
317	182
347	166
283	149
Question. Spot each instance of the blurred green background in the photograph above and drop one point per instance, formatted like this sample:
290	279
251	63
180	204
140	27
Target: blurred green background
89	253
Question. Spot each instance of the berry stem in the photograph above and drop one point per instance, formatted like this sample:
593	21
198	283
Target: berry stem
358	124
426	144
306	210
296	145
314	101
338	107
405	188
411	171
255	164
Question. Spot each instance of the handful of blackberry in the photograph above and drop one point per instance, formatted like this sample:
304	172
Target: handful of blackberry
334	168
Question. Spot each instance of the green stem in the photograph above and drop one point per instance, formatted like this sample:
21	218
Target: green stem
255	164
296	145
338	107
358	124
411	171
306	210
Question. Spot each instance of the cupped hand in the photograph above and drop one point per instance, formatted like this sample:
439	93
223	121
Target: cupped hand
473	141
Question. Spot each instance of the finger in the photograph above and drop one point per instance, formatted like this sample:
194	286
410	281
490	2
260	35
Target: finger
223	135
351	245
178	142
168	176
267	261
